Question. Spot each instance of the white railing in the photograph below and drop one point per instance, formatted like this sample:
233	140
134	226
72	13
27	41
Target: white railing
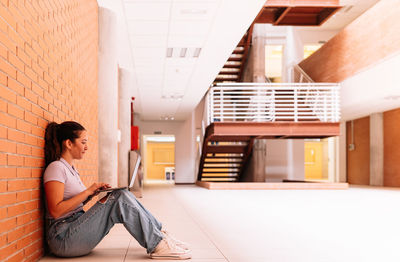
269	102
299	76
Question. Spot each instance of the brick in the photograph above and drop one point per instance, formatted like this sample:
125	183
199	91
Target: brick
7	120
44	104
37	172
24	242
33	162
24	103
35	194
31	118
24	80
3	189
24	219
15	135
16	257
3	159
15	111
32	205
14	160
15	234
8	172
24	149
17	209
24	173
3	79
31	74
31	140
7	250
7	94
24	57
16	86
37	110
23	126
5	40
8	146
16	185
16	62
7	68
31	96
3	132
38	152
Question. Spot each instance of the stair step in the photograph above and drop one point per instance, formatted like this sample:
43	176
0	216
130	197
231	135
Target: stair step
232	65
224	157
219	172
229	168
225	162
225	149
235	59
220	176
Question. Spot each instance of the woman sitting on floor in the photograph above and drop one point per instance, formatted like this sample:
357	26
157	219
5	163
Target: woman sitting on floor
73	232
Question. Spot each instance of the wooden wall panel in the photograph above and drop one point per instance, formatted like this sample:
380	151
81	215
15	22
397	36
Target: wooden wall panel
367	40
358	172
391	144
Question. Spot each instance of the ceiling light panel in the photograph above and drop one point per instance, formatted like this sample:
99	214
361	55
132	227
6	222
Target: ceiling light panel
193	10
148	10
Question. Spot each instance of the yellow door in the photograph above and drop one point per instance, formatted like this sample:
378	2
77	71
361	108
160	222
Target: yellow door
313	158
159	156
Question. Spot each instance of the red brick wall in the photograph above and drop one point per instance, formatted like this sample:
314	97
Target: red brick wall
48	72
358	172
370	38
391	147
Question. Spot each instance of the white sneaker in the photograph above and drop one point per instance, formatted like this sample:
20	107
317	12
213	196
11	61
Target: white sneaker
179	243
168	250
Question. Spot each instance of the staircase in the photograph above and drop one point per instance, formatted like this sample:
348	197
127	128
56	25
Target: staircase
237	114
224	157
232	71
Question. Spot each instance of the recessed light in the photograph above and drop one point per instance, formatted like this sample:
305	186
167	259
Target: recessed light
394	97
183	52
194	11
169	52
197	52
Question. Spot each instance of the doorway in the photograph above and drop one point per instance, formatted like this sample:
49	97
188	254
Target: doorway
159	158
320	159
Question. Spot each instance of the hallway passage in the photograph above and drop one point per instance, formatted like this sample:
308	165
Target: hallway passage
358	224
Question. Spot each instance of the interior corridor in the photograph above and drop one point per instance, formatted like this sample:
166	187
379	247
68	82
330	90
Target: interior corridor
358	224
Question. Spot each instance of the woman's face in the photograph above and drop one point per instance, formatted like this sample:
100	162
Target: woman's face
79	146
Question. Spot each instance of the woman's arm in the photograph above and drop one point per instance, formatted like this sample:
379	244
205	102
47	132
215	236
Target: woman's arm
55	195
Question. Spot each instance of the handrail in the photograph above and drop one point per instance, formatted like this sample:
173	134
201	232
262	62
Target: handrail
269	102
302	76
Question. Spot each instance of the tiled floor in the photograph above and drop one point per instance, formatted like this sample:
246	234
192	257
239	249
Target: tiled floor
358	224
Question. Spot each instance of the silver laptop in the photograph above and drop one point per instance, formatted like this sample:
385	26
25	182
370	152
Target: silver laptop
135	170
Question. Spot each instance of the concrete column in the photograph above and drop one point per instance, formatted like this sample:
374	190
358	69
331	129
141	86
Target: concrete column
185	151
126	81
376	149
341	155
258	53
108	97
293	53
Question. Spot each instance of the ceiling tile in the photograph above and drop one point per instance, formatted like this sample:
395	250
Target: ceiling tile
148	41
147	10
139	27
189	28
193	10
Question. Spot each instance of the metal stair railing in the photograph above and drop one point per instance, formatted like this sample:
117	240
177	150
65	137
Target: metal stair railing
270	102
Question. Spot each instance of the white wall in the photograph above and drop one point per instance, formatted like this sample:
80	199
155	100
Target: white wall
375	89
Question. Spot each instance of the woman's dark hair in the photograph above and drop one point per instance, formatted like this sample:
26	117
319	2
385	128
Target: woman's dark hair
54	137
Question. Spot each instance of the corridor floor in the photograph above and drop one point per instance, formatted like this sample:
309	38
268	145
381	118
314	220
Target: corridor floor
358	224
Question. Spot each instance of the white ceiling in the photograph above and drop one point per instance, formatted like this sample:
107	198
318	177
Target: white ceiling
172	86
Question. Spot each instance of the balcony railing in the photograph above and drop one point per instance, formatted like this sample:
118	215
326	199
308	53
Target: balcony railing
269	102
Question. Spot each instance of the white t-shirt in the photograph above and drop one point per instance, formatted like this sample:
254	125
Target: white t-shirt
63	172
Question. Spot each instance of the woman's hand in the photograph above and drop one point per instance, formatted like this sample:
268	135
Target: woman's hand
93	189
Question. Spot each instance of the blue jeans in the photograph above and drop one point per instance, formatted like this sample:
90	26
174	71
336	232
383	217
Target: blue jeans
79	233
